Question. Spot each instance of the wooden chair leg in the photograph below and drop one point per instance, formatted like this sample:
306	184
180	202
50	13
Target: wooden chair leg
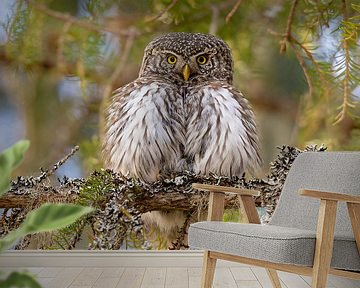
354	212
208	270
324	243
251	215
274	278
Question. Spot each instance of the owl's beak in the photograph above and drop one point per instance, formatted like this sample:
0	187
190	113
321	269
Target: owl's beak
186	72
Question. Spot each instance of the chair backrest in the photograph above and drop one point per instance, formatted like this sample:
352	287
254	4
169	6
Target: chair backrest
324	171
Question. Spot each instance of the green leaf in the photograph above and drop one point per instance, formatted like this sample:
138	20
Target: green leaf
48	217
53	216
19	279
9	160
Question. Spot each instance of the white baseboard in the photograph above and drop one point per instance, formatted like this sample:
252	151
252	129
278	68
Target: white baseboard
60	258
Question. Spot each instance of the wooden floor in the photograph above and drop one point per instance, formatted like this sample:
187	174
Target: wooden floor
171	277
170	270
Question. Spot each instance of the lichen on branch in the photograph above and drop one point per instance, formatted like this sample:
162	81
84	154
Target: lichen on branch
120	201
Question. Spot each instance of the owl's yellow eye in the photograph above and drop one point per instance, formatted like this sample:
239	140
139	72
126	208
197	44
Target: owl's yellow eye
202	59
171	59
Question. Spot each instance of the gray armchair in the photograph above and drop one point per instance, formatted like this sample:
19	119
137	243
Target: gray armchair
310	232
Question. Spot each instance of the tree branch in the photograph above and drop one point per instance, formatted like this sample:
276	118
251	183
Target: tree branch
233	11
160	201
167	9
290	19
292	40
12	200
73	20
287	34
120	201
309	55
304	68
49	64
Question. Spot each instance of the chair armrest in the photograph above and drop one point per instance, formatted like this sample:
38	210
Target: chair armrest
330	196
225	189
327	213
216	201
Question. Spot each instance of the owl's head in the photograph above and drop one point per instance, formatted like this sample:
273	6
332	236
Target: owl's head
188	57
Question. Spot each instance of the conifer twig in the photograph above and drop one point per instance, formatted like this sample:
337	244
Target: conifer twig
304	68
36	181
56	166
344	106
290	20
233	11
167	9
313	61
292	40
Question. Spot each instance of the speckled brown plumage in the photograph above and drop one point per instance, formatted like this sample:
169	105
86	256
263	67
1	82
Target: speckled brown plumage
181	113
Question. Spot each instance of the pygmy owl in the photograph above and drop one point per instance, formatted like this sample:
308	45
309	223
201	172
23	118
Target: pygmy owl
181	113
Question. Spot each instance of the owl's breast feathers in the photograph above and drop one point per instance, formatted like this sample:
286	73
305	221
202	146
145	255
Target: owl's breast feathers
153	127
143	129
221	133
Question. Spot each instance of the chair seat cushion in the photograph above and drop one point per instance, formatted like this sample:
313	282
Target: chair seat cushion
270	243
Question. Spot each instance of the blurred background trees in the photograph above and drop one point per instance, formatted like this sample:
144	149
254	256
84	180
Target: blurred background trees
296	61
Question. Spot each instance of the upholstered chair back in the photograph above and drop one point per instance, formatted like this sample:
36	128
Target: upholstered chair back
324	171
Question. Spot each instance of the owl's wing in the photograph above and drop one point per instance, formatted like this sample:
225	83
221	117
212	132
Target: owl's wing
221	134
141	136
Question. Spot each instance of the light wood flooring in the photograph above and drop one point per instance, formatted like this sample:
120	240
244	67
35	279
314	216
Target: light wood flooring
146	270
171	277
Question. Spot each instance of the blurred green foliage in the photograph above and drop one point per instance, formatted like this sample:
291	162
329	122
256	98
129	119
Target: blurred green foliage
61	60
20	280
232	215
9	160
48	217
